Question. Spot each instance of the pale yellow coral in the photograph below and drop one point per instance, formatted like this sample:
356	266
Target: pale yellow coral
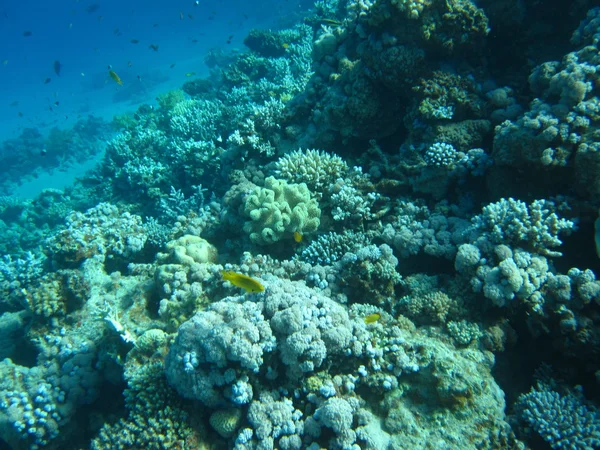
190	249
278	210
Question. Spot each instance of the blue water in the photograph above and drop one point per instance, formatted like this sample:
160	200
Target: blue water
87	37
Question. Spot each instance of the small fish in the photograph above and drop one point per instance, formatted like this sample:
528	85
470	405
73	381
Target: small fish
47	80
5	62
83	74
70	26
171	66
372	318
57	67
331	22
153	47
14	103
229	38
181	16
115	77
297	237
134	41
285	45
240	280
129	64
190	74
155	25
92	8
27	33
191	17
43	152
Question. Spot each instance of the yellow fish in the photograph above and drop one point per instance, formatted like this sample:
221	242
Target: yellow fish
240	280
372	318
115	77
286	45
190	74
297	237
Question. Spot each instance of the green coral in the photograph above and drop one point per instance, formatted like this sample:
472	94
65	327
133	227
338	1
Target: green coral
463	332
279	210
226	421
157	417
430	307
168	100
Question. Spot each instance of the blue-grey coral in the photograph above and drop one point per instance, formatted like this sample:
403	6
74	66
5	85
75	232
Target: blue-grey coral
216	349
275	424
317	168
536	226
330	247
417	229
102	232
229	342
563	421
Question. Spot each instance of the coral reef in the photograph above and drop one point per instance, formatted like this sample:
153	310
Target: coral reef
410	186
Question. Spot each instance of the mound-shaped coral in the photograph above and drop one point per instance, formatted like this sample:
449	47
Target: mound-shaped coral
280	209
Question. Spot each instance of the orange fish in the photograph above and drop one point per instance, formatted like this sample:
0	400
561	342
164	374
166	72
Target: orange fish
115	77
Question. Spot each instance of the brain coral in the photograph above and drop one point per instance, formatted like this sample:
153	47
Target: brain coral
279	209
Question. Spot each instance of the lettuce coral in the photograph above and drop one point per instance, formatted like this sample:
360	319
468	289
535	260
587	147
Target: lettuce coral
280	209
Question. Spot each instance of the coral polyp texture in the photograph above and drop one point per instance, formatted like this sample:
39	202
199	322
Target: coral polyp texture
375	229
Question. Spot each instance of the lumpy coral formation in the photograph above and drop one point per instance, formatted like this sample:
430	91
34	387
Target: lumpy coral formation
347	237
279	210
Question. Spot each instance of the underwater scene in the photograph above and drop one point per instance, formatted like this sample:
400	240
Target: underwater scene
289	224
